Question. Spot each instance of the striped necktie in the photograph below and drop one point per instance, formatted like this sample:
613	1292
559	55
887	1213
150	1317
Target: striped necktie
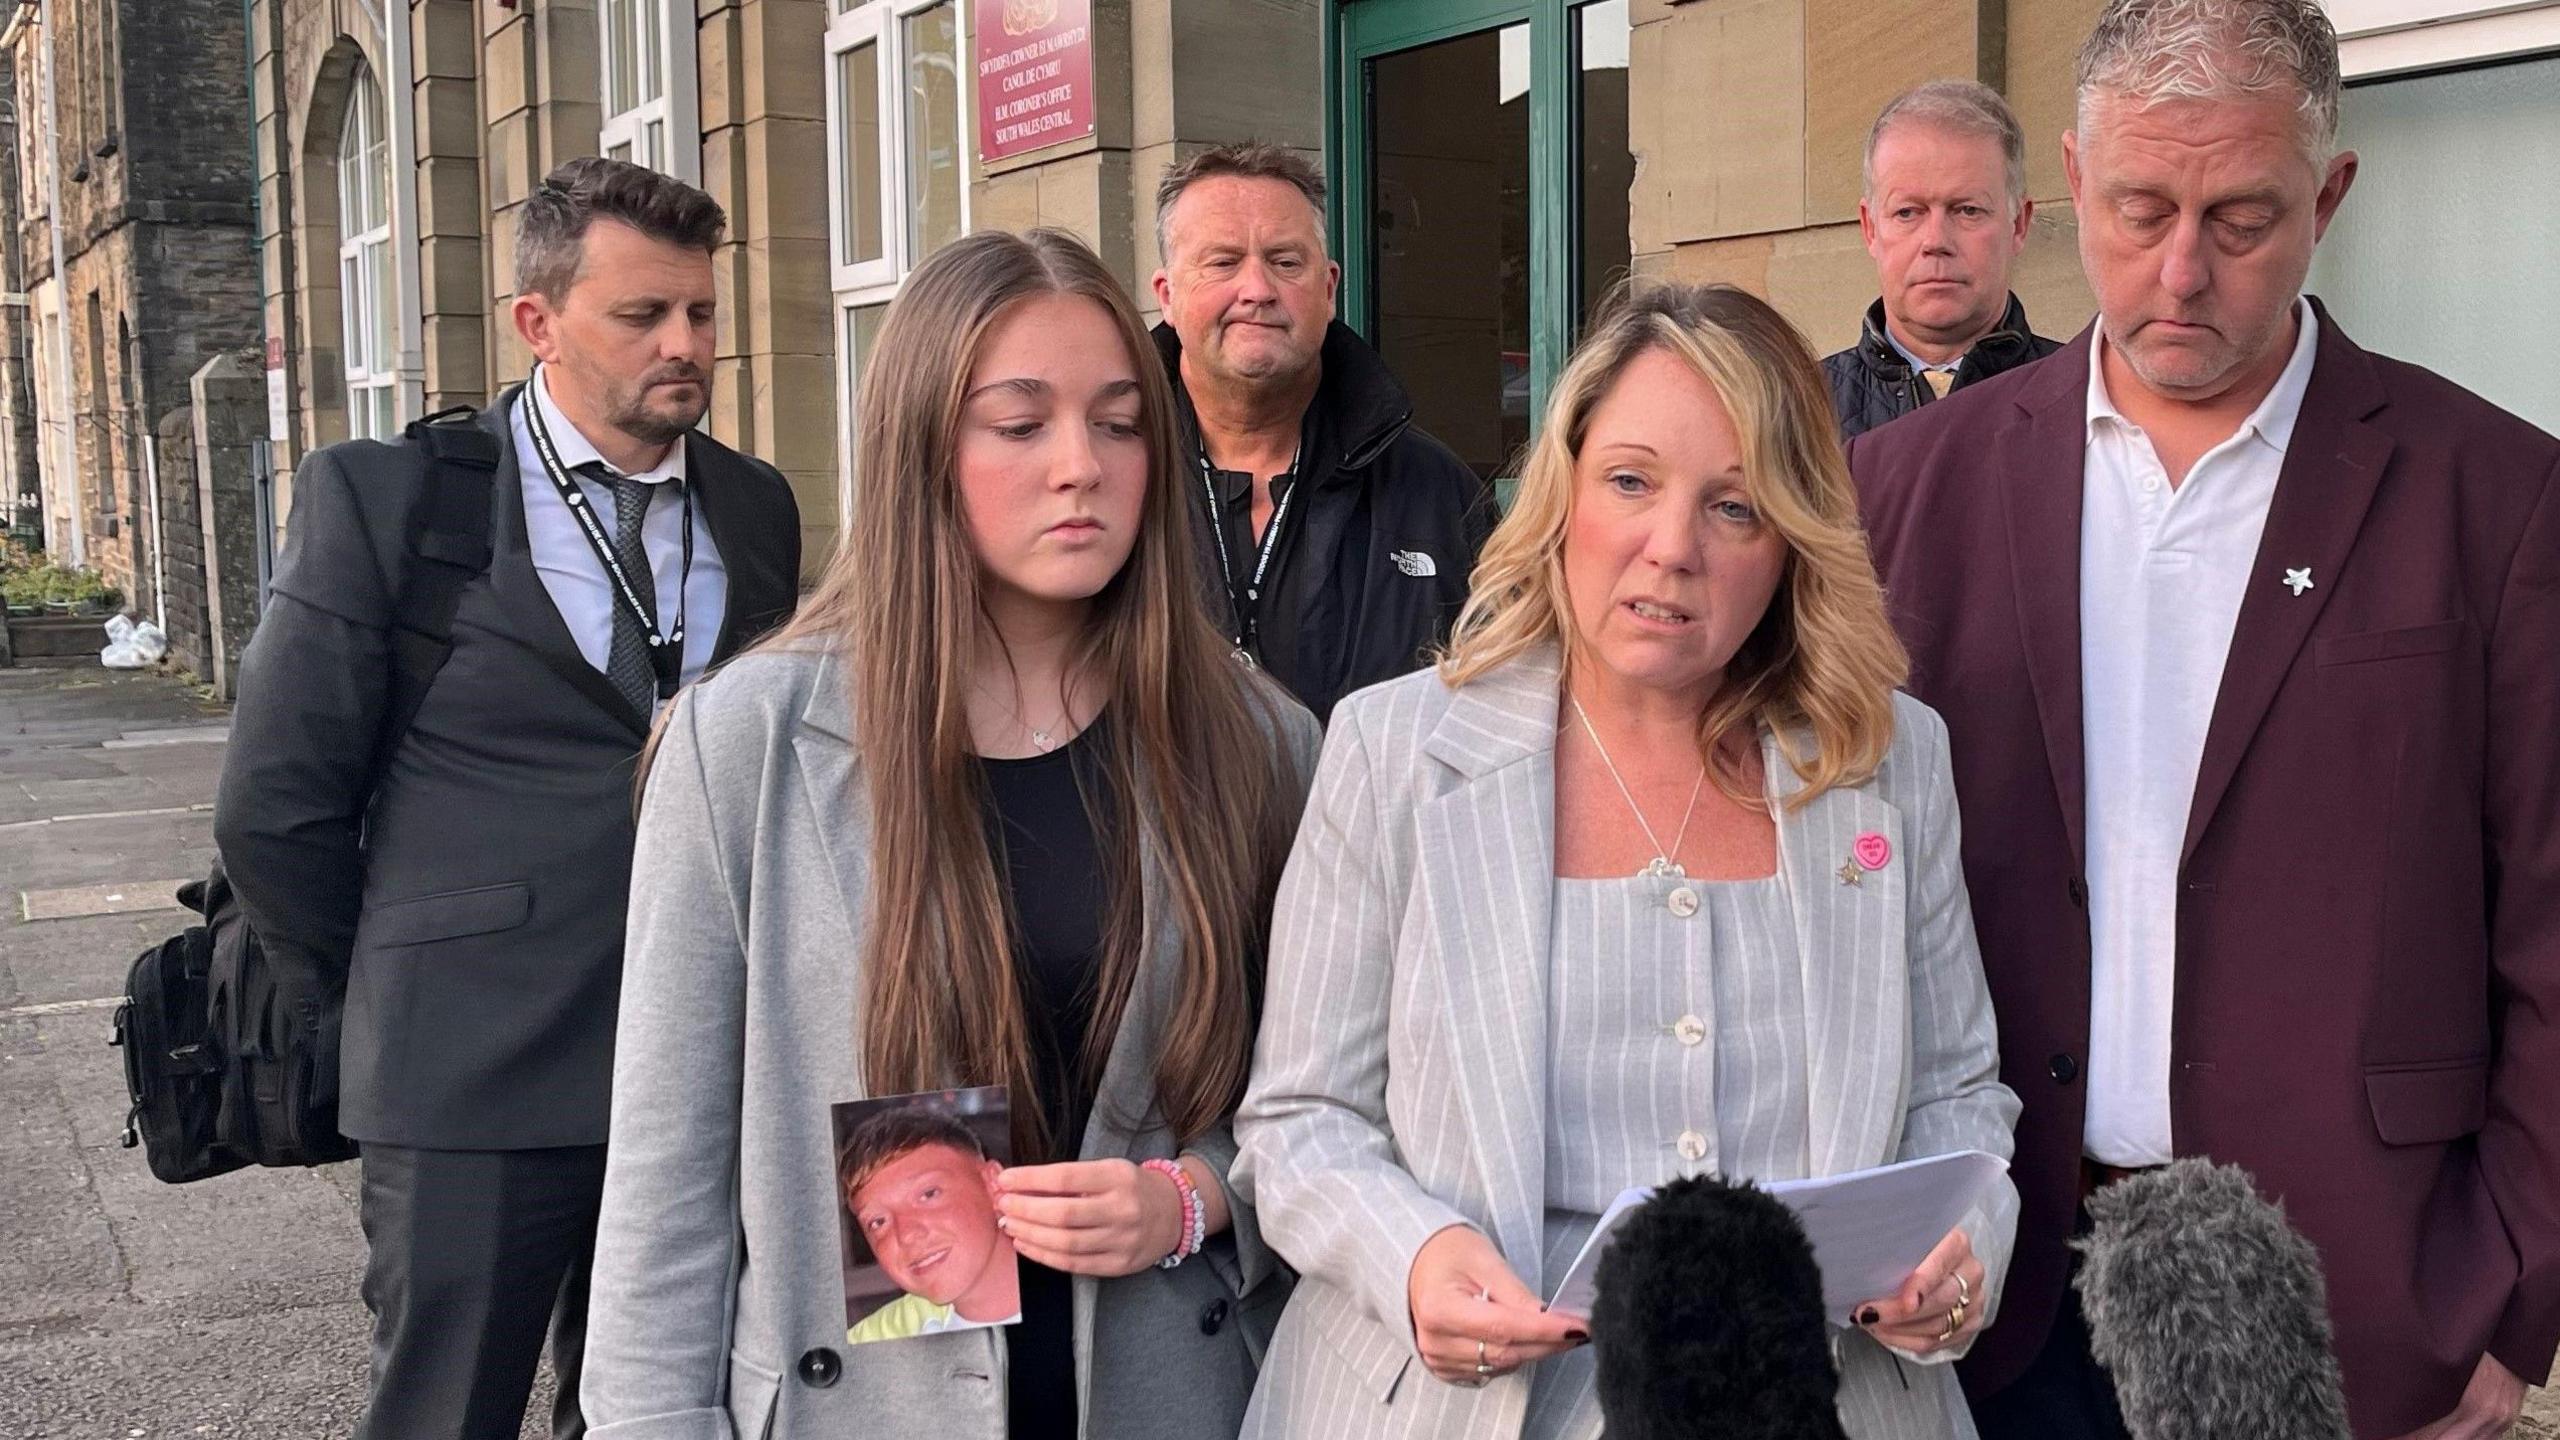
627	665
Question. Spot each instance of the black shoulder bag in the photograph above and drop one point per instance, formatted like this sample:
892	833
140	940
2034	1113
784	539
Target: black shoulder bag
227	1063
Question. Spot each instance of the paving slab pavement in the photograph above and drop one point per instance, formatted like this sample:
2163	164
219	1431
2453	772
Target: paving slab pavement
128	1308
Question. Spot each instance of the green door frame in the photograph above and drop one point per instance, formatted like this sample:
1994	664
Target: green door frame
1358	31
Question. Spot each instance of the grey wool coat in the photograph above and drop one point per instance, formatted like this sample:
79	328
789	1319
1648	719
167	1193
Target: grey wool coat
1399	1085
717	1309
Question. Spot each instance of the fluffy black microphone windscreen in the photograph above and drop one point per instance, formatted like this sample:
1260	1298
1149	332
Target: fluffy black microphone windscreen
2209	1310
1709	1325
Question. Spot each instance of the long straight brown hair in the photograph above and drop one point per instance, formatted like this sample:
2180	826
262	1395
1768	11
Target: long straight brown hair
1192	754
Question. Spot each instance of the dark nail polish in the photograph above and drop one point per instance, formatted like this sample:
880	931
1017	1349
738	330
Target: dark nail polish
1578	1337
1868	1316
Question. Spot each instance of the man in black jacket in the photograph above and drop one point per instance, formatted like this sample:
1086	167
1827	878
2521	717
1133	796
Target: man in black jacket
467	888
1336	537
1945	214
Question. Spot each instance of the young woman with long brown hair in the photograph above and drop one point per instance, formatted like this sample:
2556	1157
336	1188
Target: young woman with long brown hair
997	808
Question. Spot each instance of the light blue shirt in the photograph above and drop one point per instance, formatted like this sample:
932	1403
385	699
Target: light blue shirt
580	589
1915	362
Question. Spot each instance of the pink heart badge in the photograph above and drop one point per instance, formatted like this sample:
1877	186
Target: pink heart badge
1872	850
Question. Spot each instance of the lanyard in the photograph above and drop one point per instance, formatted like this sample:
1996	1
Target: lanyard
666	652
1248	636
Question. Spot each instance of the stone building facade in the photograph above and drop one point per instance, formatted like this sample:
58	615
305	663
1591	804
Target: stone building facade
394	148
148	151
1498	164
21	474
457	107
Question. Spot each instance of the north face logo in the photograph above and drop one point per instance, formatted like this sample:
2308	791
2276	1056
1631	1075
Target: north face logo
1414	563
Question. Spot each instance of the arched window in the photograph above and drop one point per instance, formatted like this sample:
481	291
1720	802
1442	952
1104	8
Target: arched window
365	291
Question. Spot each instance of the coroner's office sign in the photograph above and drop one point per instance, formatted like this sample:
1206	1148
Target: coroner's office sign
1035	74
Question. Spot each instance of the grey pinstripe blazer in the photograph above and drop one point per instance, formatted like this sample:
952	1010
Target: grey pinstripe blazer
1399	1082
717	1272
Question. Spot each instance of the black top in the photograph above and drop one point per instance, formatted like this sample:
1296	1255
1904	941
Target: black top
1276	648
1044	837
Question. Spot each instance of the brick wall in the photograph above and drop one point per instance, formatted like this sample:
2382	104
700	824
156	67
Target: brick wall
152	148
182	542
19	471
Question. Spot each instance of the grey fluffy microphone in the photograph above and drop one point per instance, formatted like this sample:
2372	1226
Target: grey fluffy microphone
2209	1310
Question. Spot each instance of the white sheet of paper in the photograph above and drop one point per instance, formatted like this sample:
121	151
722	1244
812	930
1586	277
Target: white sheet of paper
1870	1228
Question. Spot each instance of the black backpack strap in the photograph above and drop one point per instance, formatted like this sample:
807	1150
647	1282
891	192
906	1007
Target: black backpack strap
448	545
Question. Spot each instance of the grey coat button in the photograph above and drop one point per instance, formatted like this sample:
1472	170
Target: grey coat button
1213	1317
820	1368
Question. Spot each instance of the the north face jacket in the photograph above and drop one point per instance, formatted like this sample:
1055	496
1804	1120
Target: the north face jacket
1383	528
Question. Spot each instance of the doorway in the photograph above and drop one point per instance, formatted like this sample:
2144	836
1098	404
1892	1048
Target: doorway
1480	156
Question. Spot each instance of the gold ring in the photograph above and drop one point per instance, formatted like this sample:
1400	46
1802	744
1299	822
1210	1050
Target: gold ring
1964	1292
1955	1322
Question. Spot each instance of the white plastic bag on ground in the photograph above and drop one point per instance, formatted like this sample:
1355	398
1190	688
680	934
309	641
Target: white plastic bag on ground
149	639
121	653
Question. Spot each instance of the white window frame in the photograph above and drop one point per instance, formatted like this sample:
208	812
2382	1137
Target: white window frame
879	23
663	131
2392	37
369	338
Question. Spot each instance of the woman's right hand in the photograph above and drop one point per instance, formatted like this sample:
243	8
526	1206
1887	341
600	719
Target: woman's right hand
1472	1318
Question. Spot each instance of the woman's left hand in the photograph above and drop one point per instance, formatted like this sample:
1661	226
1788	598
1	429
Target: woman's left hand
1090	1217
1938	1308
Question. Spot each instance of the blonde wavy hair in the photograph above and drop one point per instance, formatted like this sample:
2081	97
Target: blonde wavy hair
1824	659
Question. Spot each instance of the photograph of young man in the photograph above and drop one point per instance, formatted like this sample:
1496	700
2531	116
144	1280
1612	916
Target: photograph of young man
921	1190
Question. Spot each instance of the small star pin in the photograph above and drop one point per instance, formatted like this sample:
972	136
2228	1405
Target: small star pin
2298	580
1850	874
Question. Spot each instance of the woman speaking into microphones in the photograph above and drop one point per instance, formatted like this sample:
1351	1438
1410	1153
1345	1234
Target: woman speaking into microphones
1654	876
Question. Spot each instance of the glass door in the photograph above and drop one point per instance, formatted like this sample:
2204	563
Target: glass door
1481	173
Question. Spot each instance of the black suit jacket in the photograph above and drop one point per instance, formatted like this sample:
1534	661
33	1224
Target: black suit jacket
472	899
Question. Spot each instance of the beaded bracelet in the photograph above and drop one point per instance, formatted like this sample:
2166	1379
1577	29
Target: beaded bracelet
1195	1216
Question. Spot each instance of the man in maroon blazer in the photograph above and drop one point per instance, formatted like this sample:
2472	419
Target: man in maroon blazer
2248	643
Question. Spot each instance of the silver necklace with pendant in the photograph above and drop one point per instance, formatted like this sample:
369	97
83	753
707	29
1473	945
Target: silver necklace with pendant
1043	740
1661	866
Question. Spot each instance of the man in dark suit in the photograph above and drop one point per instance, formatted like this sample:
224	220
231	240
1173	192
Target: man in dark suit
467	888
2248	643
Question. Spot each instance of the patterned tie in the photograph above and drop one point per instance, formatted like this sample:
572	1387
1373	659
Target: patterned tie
1939	381
627	664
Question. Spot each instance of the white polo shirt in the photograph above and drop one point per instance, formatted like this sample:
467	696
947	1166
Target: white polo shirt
2162	571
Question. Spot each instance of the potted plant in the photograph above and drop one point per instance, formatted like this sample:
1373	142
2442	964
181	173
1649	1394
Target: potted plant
22	578
72	592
